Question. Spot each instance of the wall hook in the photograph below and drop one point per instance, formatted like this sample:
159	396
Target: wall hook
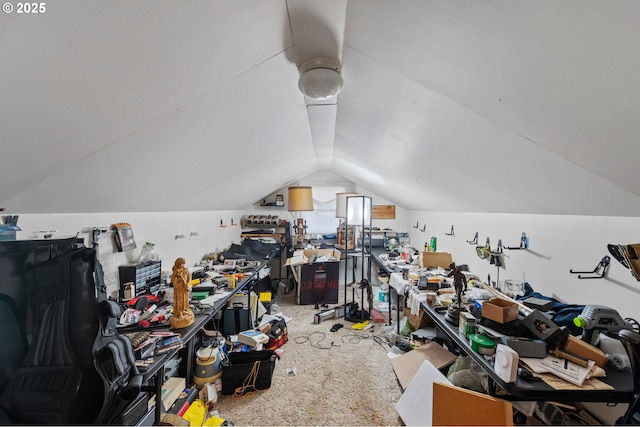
603	266
524	243
487	244
499	250
451	233
233	224
222	224
417	225
475	240
424	227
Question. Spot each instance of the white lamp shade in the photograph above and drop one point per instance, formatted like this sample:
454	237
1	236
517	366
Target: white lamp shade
300	199
358	210
341	204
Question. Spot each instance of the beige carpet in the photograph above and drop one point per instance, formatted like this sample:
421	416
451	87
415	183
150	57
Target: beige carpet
341	378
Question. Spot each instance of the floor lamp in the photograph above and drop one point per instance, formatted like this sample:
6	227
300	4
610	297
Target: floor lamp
359	216
300	199
341	212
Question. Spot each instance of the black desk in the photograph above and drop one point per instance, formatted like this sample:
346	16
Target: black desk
622	382
376	252
157	369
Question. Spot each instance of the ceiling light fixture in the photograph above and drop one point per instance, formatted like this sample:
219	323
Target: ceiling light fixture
320	78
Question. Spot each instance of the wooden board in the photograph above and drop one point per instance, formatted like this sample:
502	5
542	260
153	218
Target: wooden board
383	212
455	406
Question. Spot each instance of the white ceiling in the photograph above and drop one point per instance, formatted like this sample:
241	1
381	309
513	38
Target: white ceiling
479	106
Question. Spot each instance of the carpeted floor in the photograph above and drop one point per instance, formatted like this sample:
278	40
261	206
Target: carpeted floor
341	378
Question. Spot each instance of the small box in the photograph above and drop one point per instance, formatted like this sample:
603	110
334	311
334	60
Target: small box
585	350
538	303
527	348
500	310
418	321
467	323
540	325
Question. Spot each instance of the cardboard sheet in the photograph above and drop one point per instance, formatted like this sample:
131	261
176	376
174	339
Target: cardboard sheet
414	406
407	365
455	406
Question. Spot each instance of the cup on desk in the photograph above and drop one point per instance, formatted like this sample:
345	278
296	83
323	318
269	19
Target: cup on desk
431	298
405	273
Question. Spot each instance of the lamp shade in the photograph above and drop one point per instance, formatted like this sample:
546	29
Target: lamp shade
341	204
300	199
358	210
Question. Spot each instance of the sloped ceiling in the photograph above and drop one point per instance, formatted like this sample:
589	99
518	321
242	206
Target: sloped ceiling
479	106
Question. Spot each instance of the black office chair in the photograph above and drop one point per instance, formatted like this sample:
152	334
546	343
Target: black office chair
631	341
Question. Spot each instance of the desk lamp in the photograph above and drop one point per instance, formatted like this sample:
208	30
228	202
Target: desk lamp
300	200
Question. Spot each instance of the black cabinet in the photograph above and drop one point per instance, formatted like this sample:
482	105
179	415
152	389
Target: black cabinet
145	276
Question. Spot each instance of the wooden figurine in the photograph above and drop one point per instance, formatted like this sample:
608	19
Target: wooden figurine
181	280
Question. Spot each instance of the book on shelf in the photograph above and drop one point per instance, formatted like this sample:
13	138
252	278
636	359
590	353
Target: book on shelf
186	397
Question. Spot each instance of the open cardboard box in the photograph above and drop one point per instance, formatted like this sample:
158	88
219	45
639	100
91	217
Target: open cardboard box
500	310
435	259
318	282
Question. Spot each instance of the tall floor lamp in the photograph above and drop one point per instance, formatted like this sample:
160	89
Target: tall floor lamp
300	199
341	212
359	216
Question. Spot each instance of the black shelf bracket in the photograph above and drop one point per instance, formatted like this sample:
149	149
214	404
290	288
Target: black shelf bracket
451	233
474	241
600	270
524	243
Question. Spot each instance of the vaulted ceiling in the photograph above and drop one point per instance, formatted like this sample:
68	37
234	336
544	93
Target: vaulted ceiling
514	106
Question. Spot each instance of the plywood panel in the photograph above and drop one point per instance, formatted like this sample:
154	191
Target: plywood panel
383	212
455	406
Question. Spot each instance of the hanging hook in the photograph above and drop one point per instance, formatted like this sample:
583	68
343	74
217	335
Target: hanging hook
417	225
424	227
451	233
222	224
233	223
603	265
475	240
524	243
488	244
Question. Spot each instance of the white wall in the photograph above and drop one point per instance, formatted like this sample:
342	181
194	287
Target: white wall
557	244
201	230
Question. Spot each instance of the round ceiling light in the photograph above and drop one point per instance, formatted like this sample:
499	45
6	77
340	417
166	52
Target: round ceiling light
320	78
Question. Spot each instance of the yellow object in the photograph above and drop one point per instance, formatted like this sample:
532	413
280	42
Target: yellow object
265	296
213	421
361	325
196	412
194	282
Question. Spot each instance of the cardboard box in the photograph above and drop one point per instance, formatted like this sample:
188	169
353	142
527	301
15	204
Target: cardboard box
417	321
471	408
435	259
585	350
500	310
407	365
318	282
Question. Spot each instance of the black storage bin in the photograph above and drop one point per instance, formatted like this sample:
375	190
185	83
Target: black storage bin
240	378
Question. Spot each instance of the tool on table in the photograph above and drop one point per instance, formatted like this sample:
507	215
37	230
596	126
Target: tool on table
599	318
570	357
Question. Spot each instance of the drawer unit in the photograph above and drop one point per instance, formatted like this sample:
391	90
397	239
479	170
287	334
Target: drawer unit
146	277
